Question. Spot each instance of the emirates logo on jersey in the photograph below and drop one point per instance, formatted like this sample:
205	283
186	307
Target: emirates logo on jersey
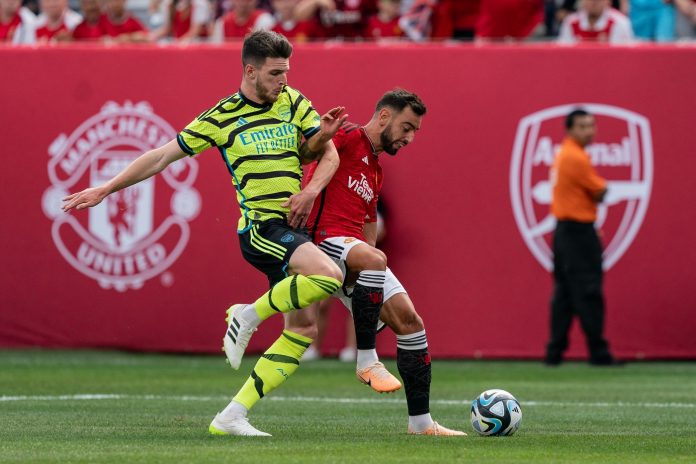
622	153
129	238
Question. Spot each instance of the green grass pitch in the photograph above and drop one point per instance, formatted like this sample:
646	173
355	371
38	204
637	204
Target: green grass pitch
112	407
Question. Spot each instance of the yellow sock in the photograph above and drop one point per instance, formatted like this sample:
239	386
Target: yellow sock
295	292
278	363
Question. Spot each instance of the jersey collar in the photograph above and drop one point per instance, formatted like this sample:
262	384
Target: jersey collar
372	146
251	102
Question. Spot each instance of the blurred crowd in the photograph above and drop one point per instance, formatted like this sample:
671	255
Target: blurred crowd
568	21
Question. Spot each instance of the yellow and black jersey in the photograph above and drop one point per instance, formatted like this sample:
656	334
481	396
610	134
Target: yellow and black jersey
259	143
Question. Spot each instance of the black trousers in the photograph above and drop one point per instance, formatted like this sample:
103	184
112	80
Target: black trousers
577	290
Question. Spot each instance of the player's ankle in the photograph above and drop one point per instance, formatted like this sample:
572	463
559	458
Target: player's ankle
234	410
366	358
420	423
250	316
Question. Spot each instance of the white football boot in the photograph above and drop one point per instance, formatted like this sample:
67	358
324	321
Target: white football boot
238	334
238	426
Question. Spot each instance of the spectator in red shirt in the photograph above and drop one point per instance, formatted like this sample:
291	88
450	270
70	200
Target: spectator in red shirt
453	19
17	24
595	21
56	22
118	23
244	17
508	19
186	20
91	27
342	19
385	24
296	31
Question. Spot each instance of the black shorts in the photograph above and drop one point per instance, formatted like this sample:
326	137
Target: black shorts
268	246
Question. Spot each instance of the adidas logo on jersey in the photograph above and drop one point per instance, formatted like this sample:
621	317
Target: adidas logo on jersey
242	122
366	160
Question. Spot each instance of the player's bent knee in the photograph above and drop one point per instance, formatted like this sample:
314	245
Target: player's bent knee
372	260
329	269
309	260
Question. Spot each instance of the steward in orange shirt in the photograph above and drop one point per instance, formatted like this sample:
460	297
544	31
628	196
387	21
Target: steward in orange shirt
576	247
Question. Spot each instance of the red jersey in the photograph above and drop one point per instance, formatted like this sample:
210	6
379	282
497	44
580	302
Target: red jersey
299	31
7	30
181	24
451	15
127	26
231	30
87	31
592	35
509	18
349	18
611	26
350	199
376	29
47	33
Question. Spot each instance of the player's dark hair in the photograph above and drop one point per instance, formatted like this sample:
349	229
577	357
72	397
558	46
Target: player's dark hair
573	115
398	99
260	45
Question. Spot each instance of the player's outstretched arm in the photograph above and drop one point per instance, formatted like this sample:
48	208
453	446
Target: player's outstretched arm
146	165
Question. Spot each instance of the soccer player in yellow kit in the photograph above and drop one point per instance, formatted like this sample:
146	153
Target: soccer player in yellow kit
259	132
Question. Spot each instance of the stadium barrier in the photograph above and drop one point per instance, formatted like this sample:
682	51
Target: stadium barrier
467	202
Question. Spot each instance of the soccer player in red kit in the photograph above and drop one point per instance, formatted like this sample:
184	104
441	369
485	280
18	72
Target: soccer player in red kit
343	224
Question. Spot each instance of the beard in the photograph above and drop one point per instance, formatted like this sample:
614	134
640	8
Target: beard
263	94
387	141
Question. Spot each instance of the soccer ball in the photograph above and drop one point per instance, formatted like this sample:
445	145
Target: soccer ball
496	412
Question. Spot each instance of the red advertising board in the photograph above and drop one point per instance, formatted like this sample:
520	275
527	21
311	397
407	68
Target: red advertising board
155	267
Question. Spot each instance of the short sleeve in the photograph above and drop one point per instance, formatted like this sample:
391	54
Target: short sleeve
201	133
305	116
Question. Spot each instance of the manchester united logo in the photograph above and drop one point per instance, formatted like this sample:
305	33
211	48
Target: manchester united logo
129	238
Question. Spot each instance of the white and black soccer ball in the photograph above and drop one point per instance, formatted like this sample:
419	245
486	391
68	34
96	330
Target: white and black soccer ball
496	412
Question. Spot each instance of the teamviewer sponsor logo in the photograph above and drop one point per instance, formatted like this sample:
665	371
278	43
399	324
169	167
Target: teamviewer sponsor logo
127	239
361	187
622	154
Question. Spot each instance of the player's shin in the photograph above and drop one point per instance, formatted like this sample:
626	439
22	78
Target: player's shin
294	292
366	300
413	362
276	365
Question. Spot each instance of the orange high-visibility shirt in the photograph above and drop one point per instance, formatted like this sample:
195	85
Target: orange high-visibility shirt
575	183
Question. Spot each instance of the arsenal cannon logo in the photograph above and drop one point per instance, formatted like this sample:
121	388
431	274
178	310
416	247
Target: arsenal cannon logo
621	153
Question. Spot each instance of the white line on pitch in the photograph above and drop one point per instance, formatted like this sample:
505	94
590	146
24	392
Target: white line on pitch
319	399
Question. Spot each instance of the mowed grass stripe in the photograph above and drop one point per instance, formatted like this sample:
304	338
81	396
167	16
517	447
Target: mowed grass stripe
319	399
